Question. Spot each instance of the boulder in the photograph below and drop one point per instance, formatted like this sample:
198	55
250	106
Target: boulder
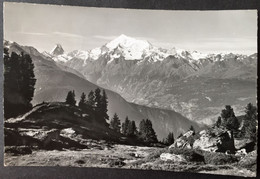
241	152
215	140
185	141
239	143
246	144
172	157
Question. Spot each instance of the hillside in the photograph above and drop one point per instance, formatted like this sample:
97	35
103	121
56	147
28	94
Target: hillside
54	82
72	128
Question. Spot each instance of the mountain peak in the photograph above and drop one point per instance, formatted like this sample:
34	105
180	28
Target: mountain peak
57	50
128	42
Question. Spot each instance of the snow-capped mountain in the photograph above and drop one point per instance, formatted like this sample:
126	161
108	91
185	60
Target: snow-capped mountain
173	78
133	49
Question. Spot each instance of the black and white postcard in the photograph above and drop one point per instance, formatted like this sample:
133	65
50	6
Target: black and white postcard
129	88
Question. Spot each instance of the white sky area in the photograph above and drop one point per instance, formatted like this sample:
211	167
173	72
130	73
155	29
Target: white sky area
85	28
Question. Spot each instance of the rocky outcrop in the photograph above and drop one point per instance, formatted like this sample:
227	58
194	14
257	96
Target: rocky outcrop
215	140
185	141
58	126
172	157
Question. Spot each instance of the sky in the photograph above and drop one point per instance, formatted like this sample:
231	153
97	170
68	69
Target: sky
85	28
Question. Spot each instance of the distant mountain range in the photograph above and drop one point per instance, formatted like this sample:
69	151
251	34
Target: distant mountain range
54	80
194	84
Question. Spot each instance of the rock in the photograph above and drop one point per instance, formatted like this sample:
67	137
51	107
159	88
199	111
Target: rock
239	143
172	157
137	155
246	144
241	152
185	141
215	140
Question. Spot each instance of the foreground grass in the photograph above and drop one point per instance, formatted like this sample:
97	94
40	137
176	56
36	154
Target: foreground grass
130	157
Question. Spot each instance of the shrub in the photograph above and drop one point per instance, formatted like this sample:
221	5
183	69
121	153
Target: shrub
156	154
116	163
217	158
18	150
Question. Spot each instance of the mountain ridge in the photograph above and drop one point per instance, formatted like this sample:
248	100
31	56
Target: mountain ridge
151	80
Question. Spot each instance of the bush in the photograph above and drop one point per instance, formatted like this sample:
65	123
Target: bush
18	150
217	158
156	154
116	163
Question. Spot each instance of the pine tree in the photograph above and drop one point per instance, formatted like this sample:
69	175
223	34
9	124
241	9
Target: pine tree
146	131
82	102
180	135
250	122
170	139
218	123
91	101
251	112
131	129
232	123
104	105
115	123
151	135
97	99
70	99
101	105
192	128
19	81
125	125
142	129
227	113
229	120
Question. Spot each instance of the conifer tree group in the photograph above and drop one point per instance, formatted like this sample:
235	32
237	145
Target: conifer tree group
115	123
245	128
96	104
249	129
129	127
169	139
229	120
70	99
146	131
19	81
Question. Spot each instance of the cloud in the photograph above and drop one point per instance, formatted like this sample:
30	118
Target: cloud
104	37
64	34
32	33
229	39
109	38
